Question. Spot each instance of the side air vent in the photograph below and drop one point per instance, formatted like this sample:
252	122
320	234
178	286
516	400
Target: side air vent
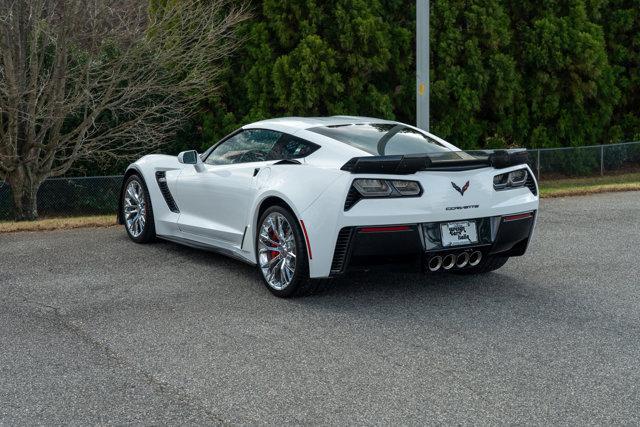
164	188
341	252
352	198
531	184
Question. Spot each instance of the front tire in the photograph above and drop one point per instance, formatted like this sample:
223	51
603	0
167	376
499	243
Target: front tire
137	210
281	254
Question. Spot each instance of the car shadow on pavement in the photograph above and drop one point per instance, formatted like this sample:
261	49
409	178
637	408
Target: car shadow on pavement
203	256
400	286
356	283
446	296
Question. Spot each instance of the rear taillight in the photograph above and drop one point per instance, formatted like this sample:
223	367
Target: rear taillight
407	188
513	179
387	188
371	188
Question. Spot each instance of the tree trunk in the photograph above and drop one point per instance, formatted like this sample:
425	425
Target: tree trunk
26	207
24	193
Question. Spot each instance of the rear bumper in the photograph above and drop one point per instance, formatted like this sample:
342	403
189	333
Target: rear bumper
414	244
440	202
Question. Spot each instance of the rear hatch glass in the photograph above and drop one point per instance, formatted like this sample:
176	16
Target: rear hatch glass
383	139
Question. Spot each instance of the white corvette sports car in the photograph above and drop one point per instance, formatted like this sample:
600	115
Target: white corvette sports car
307	198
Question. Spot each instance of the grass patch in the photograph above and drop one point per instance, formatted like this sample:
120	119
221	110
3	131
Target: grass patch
49	224
591	185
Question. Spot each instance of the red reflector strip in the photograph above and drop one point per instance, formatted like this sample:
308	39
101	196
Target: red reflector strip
517	217
386	228
306	238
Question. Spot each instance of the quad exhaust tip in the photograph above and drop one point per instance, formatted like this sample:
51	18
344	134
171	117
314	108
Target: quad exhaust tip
475	258
449	261
462	260
435	263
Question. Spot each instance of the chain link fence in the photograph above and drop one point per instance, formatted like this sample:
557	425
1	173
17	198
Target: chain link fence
570	162
58	197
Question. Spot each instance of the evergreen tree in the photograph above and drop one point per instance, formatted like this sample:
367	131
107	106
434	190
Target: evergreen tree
569	85
621	24
503	72
476	91
304	57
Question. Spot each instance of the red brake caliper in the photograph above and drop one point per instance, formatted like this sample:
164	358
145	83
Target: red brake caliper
273	237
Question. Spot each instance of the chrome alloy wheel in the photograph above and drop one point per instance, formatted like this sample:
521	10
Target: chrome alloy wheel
277	251
135	210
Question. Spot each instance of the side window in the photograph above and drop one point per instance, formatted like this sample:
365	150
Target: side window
290	147
252	145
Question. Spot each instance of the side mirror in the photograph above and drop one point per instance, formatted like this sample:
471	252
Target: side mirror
189	157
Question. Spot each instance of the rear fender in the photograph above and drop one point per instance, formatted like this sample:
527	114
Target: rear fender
298	186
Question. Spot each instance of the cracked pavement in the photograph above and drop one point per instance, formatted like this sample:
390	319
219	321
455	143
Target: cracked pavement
97	330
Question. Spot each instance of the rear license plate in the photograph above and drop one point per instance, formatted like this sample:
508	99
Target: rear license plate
459	233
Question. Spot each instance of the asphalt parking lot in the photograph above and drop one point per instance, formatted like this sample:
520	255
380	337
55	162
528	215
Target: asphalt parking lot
95	329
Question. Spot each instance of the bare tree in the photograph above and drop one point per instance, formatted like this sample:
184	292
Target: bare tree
97	78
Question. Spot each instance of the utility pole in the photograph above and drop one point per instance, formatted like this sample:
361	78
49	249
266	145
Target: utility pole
422	64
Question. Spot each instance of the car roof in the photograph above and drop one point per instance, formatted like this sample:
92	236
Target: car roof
311	122
300	126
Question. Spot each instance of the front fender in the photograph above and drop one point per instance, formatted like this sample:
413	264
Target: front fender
131	169
146	167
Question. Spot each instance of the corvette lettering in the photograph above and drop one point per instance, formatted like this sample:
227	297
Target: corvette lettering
455	208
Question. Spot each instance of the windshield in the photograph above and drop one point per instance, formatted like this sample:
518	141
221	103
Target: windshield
382	139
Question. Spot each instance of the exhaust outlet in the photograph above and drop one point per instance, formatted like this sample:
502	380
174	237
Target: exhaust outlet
449	261
475	258
462	260
435	263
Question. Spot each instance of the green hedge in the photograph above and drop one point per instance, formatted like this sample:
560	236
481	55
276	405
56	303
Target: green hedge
504	73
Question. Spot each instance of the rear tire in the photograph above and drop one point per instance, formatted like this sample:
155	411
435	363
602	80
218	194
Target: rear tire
281	254
489	264
137	211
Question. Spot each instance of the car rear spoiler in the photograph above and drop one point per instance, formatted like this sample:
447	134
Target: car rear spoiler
412	163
